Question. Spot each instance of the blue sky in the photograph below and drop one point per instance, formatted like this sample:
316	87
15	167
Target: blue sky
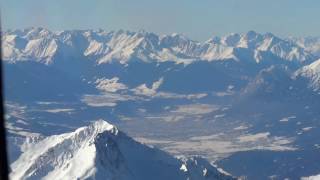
198	19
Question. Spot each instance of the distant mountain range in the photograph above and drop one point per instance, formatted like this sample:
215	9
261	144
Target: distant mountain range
39	44
210	65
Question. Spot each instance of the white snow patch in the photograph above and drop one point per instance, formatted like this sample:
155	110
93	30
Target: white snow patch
219	116
286	119
241	128
316	177
66	110
254	137
195	109
144	90
307	129
182	112
110	85
184	168
20	131
217	146
106	100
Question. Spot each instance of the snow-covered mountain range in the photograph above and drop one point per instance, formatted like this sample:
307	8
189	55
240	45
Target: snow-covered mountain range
101	151
39	44
188	97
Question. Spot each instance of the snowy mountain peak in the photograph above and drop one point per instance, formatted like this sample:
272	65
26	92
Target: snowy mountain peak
231	40
250	39
312	73
61	151
100	151
100	126
315	66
